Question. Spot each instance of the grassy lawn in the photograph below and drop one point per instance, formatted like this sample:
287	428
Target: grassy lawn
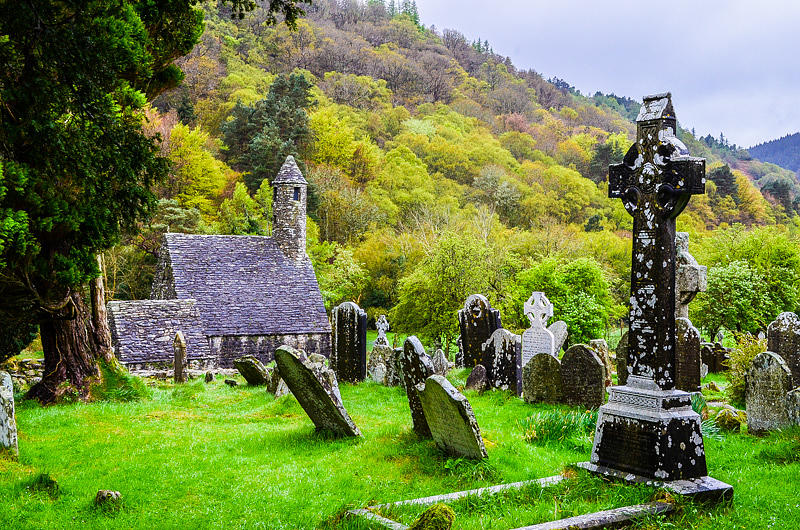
213	456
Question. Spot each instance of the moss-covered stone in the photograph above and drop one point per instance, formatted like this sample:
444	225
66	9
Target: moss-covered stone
437	517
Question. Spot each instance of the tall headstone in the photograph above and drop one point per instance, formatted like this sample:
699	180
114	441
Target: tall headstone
783	338
690	277
349	354
600	347
8	423
622	360
477	321
382	325
416	366
687	356
767	385
503	354
541	380
314	385
179	366
583	377
648	427
537	338
450	418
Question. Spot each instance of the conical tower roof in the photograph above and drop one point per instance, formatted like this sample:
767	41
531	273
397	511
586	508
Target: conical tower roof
289	173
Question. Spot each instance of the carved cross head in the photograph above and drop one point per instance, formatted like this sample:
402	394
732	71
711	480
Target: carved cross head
538	309
382	325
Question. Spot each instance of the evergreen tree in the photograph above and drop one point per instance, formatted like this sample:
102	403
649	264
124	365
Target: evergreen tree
392	8
725	180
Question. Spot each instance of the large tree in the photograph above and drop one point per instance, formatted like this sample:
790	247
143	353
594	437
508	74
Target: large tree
75	165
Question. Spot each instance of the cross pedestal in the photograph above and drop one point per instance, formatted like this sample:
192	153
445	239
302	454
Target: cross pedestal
648	431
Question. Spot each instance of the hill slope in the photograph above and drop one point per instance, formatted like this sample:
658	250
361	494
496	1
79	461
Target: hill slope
784	151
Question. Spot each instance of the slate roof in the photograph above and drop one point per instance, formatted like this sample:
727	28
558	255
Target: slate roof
289	173
245	285
143	330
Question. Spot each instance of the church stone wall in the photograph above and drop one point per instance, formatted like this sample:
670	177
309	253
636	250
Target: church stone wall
227	348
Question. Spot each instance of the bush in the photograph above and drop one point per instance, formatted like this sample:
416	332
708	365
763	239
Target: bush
747	347
118	385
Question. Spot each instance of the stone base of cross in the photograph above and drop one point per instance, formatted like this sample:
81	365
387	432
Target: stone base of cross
648	431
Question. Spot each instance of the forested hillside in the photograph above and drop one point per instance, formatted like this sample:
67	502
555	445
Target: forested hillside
436	169
785	151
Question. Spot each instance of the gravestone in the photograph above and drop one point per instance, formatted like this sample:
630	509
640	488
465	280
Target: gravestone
559	331
783	338
8	422
383	365
690	277
382	325
459	353
253	370
349	352
583	377
477	321
179	365
768	382
477	379
503	354
793	405
450	418
600	347
537	338
687	356
622	360
440	363
541	380
648	428
415	366
315	387
715	356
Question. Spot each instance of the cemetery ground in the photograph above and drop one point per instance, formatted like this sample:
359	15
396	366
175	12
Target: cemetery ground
208	455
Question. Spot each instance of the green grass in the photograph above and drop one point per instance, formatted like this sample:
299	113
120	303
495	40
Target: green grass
211	456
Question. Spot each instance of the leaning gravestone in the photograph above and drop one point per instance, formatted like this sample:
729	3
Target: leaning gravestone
687	358
477	321
316	389
349	352
600	347
690	277
768	382
541	380
648	428
8	423
179	365
559	331
622	360
253	370
450	419
503	355
416	367
783	338
583	377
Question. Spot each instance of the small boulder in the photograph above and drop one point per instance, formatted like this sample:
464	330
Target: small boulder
231	383
712	386
108	500
253	370
209	377
730	419
437	517
477	379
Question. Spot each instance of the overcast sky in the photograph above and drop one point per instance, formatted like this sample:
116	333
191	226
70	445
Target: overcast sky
732	66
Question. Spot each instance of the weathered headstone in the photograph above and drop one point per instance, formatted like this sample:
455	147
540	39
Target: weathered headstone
8	422
440	363
179	366
715	356
459	353
793	405
382	325
253	370
622	360
316	389
600	347
559	331
477	321
416	367
450	419
648	427
583	377
768	382
690	277
783	338
476	380
687	356
503	354
349	352
383	365
541	380
537	338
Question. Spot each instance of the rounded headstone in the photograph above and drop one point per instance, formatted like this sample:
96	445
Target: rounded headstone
768	382
477	379
541	380
583	377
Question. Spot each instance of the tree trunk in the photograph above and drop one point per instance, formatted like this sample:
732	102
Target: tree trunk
70	353
102	333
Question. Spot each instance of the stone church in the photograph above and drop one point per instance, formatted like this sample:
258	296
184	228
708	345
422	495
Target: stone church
230	295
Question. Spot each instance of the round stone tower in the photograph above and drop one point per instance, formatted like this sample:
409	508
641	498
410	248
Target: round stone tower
289	210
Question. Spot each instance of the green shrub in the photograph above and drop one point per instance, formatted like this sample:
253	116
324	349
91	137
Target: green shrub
747	347
117	384
437	517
